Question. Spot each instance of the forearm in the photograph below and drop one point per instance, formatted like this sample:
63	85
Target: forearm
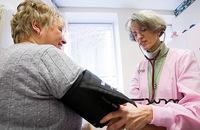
167	116
153	127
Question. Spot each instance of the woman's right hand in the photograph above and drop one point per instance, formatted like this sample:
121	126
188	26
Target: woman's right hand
130	117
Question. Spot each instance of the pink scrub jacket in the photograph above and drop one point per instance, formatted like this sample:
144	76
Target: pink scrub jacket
180	76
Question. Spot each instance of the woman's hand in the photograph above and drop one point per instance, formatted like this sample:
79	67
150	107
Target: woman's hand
130	117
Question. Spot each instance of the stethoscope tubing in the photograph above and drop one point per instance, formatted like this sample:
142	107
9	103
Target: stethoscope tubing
153	69
153	72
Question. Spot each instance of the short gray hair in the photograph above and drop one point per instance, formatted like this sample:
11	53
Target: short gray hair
149	19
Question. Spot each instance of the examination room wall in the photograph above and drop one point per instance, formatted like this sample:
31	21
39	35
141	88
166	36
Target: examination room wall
13	3
130	53
187	17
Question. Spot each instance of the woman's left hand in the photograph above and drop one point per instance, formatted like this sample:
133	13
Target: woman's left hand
130	117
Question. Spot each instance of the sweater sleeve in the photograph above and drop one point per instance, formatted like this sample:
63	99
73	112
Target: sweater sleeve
186	114
59	71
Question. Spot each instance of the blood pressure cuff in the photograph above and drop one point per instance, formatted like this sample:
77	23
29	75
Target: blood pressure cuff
93	99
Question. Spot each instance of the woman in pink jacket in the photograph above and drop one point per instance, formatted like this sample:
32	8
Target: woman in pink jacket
166	84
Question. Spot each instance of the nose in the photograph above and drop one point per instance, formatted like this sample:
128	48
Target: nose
64	41
139	37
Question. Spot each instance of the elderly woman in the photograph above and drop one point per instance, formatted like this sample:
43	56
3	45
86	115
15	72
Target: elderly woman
165	85
40	86
35	73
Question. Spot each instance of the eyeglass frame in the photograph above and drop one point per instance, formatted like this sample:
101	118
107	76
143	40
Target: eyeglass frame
141	31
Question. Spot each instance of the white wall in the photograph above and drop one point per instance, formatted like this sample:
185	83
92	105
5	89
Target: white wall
130	53
6	13
7	10
13	3
187	17
188	40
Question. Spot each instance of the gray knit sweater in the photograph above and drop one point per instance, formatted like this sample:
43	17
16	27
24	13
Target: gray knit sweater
32	80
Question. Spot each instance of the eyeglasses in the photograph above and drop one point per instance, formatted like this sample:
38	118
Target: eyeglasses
141	31
157	102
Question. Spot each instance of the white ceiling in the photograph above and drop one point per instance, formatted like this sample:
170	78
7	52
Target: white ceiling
169	5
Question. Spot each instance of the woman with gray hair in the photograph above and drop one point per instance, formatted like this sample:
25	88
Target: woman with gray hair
165	85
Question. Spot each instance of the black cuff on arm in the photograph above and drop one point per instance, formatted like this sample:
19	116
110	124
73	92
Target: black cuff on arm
93	99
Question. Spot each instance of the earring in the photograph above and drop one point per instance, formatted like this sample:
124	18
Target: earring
40	34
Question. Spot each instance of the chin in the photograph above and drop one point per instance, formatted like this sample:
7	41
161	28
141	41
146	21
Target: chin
145	49
59	47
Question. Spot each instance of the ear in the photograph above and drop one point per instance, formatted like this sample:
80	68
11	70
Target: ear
35	26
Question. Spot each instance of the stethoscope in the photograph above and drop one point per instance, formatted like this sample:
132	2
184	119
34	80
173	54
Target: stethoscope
153	71
152	100
152	62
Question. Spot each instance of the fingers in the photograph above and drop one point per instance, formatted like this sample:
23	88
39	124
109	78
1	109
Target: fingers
112	121
119	125
111	115
118	119
140	117
122	128
135	124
